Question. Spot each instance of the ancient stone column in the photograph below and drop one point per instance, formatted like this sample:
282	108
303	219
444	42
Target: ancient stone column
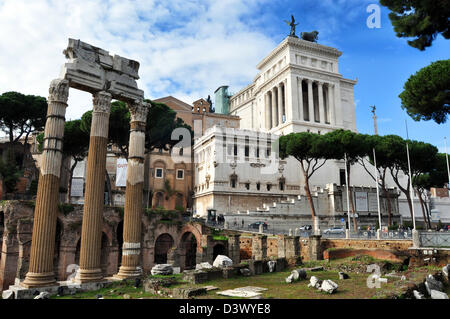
40	272
131	248
280	104
310	100
331	104
321	105
274	109
91	233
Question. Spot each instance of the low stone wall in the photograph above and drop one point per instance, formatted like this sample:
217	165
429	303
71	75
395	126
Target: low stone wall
340	253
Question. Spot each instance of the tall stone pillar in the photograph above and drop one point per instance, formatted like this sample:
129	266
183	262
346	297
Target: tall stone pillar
91	233
280	104
234	248
267	110
259	247
40	272
300	99
321	105
310	100
331	104
131	248
274	109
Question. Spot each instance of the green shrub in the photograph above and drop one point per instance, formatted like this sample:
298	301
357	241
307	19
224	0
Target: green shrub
65	208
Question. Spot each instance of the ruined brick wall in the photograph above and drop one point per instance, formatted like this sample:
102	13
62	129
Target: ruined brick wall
272	247
246	247
401	245
17	218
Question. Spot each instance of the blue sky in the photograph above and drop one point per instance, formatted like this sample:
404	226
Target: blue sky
189	48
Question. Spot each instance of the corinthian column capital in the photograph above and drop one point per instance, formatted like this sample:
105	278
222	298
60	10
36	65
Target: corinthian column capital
102	102
139	111
59	91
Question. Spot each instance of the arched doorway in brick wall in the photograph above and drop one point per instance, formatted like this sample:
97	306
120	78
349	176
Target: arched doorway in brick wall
188	250
219	249
162	245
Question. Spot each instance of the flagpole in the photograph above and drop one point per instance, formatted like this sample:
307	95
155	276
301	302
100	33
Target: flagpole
348	199
448	169
411	191
378	193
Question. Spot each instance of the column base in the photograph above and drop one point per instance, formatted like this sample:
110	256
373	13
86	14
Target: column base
128	272
88	275
35	280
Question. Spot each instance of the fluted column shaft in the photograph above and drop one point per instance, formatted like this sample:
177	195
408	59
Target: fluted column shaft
321	105
280	104
300	99
131	248
274	108
40	272
267	111
310	100
331	104
91	233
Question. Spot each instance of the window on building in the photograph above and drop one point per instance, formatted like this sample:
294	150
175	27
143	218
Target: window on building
181	151
159	173
258	186
180	174
269	148
235	146
257	147
269	187
247	186
233	181
247	147
282	184
342	176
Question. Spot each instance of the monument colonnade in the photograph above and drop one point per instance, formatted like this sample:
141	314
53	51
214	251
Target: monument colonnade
316	102
112	77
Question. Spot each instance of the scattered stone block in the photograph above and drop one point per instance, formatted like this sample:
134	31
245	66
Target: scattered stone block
243	292
329	286
186	293
245	272
435	294
162	269
418	295
319	268
299	274
8	294
315	282
43	295
229	272
445	271
432	284
126	296
202	266
210	288
290	279
343	276
271	264
195	276
222	261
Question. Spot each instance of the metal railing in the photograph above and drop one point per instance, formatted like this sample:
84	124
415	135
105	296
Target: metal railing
434	239
272	230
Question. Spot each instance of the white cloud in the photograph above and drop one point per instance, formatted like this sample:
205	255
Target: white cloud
186	48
